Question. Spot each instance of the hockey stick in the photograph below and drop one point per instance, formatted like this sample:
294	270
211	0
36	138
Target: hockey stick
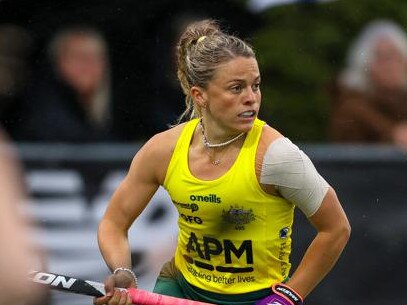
96	289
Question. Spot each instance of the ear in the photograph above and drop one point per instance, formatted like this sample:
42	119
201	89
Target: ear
199	96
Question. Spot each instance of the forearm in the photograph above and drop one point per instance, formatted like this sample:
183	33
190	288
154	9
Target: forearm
318	260
114	245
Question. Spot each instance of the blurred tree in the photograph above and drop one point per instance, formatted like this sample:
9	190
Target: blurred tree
300	49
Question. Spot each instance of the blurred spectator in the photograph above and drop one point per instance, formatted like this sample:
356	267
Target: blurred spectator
370	103
15	48
17	256
71	101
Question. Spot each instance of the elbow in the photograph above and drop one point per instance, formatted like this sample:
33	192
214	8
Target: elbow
100	230
343	233
105	230
346	228
109	231
348	232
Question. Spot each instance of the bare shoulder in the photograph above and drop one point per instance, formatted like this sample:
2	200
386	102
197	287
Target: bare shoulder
155	155
268	136
163	144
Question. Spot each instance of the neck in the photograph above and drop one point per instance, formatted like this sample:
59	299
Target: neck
209	144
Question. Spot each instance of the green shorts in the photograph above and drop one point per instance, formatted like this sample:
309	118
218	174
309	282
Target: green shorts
171	282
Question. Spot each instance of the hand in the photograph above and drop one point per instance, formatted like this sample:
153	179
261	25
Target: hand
114	296
282	295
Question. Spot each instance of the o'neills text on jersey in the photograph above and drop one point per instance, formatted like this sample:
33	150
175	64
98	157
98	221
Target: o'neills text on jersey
206	198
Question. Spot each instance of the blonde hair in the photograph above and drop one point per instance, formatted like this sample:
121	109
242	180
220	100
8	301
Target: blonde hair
202	47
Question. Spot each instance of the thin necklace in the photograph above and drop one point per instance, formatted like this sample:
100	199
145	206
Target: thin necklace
217	145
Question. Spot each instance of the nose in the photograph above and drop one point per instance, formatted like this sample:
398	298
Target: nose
251	96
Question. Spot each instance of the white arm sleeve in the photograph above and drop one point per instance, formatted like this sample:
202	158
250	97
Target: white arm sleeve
292	173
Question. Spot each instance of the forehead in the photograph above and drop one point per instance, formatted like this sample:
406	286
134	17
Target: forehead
237	68
82	43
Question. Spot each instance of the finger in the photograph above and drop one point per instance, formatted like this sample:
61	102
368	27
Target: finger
117	297
101	300
123	298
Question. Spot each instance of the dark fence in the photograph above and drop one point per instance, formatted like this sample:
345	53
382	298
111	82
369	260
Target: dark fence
71	184
372	186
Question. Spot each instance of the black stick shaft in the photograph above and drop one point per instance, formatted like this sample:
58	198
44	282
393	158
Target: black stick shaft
68	284
96	289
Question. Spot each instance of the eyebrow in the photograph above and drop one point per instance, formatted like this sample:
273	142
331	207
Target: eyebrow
242	80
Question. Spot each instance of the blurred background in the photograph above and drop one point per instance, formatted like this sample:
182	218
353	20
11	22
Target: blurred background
84	83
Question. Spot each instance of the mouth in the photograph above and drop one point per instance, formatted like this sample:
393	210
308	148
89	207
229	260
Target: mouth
247	114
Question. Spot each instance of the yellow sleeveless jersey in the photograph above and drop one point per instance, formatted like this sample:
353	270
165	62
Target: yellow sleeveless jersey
233	236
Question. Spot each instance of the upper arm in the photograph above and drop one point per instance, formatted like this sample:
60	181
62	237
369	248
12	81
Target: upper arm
293	175
330	216
145	175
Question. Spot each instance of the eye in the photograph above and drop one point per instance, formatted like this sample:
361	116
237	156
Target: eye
256	87
236	89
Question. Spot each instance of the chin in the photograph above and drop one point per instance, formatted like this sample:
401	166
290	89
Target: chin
246	126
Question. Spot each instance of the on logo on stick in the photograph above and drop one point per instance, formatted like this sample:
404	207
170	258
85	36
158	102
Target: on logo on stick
54	280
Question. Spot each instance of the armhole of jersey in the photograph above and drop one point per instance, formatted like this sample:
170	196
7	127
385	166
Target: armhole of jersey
186	130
